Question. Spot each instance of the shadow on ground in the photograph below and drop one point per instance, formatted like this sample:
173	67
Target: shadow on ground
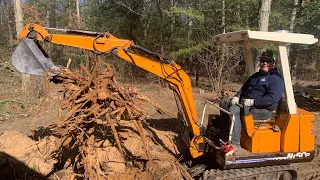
308	103
170	124
11	168
174	125
314	87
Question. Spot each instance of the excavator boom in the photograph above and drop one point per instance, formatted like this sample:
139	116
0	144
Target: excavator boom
30	58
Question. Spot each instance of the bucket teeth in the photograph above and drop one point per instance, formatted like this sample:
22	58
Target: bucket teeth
30	58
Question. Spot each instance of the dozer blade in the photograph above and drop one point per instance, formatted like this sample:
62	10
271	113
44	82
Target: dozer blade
30	58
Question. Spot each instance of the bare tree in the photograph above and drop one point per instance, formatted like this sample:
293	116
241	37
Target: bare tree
224	52
78	13
294	59
7	15
2	14
219	65
19	25
293	14
264	15
70	10
223	13
18	16
263	21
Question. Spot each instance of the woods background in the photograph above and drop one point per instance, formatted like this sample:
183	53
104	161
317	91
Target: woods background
182	30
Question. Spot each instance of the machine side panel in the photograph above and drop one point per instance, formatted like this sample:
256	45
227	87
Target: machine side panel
290	136
289	125
306	130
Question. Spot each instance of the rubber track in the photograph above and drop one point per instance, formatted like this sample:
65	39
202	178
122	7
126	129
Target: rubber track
243	173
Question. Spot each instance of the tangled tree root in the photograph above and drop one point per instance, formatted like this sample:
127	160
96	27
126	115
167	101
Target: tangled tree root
93	103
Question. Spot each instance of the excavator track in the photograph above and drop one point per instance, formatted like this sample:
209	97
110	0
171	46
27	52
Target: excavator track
283	172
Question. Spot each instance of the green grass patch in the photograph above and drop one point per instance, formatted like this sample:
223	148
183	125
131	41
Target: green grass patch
4	103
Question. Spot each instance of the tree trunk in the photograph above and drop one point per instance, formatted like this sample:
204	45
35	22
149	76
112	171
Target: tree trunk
190	64
223	23
18	16
294	62
19	25
7	12
263	22
173	21
161	31
223	56
264	15
2	14
238	13
78	13
70	11
293	14
52	22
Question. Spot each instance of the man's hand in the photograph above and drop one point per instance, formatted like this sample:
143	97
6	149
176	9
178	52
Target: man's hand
247	102
234	100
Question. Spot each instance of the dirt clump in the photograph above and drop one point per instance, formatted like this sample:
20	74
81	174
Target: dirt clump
35	155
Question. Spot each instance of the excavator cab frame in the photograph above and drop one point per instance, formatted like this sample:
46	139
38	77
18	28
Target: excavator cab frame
292	132
281	40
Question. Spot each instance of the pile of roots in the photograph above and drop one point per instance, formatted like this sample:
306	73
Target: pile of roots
93	106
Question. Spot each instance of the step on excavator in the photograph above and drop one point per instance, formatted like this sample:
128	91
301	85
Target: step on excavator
269	145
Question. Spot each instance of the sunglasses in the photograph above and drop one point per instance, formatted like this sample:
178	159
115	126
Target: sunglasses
266	60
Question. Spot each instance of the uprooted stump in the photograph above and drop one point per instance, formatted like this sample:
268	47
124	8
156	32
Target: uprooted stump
98	116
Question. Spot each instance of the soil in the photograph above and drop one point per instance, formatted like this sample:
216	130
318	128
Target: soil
23	119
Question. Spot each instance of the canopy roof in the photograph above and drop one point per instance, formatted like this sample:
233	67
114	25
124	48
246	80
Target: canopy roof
265	37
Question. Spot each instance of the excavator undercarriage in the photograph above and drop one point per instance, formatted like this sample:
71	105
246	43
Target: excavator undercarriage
244	164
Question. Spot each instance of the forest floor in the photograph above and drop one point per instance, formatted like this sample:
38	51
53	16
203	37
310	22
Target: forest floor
23	119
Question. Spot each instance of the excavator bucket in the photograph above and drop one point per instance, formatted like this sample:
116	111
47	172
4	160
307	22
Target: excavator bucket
30	58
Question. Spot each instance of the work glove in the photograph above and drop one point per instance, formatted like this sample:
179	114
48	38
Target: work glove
247	102
234	100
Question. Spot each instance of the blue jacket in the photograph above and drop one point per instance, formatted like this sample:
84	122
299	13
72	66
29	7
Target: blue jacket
265	88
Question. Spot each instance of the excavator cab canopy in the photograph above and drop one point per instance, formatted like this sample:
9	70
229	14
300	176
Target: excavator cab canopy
279	39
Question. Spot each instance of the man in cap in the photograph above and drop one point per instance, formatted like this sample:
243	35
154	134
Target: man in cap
261	93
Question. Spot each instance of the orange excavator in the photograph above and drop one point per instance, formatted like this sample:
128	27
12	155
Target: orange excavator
269	145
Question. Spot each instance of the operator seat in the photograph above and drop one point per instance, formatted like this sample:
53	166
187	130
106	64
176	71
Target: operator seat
280	108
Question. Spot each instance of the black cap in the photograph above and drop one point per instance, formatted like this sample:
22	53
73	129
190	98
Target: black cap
267	55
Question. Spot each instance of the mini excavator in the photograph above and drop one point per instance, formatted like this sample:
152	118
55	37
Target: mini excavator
269	145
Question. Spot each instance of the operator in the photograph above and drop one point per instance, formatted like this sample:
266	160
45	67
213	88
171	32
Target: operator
261	93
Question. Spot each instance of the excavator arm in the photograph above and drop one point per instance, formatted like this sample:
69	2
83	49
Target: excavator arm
178	79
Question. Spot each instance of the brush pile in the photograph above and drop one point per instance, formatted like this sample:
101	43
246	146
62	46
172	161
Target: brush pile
93	106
